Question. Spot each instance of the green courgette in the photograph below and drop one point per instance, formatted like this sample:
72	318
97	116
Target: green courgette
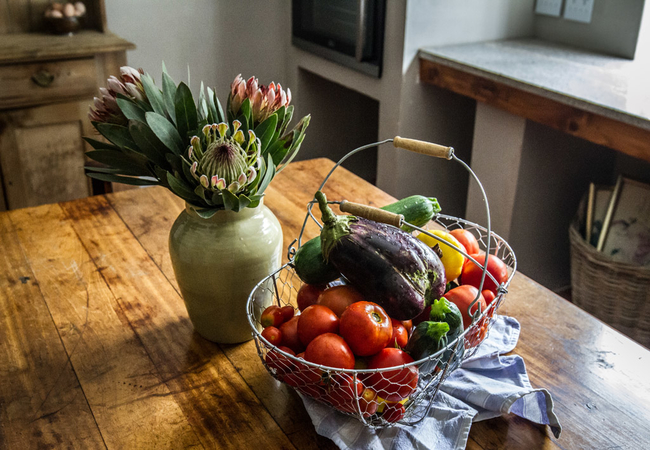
427	338
312	268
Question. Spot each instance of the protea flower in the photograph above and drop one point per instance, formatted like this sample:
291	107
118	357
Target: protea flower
264	100
228	161
106	108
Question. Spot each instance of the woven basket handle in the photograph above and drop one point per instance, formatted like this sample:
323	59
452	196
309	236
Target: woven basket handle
371	213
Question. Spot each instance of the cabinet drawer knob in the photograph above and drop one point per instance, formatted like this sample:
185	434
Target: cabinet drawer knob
43	78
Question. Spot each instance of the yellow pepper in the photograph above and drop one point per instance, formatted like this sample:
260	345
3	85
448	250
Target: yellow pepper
451	259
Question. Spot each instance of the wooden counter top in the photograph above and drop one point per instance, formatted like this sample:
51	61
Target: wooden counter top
20	47
600	98
97	351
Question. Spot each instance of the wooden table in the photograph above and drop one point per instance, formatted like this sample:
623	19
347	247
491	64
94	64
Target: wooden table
96	349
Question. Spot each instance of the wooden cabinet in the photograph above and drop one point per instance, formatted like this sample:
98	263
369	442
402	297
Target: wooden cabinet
42	154
47	84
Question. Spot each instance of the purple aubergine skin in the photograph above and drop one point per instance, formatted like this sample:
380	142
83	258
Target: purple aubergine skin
389	267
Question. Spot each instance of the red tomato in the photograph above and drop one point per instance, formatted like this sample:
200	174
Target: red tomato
343	395
400	336
278	362
477	335
308	295
366	328
468	240
290	337
472	273
393	412
408	324
338	298
287	312
273	335
463	296
392	385
316	320
330	350
272	317
488	295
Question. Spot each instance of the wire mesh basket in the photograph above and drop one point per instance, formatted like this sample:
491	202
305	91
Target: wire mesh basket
378	397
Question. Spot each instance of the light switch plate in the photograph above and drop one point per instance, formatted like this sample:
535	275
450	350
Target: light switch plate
579	10
549	7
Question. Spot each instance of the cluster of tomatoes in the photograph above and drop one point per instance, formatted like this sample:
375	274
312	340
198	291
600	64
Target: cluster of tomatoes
337	327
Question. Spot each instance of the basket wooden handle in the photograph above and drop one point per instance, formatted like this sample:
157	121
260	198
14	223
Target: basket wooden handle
371	213
426	148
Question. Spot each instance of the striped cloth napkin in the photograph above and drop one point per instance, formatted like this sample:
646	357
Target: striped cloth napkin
487	385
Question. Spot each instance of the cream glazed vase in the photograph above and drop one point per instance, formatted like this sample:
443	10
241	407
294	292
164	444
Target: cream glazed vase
218	261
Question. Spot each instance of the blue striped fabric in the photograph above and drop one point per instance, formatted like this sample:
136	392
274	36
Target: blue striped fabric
487	385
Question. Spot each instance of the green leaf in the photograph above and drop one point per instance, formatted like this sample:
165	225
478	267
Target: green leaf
293	151
161	174
230	200
221	117
243	201
206	213
246	111
100	145
175	161
213	115
181	189
169	93
101	169
154	95
118	160
280	113
286	120
124	180
186	118
201	193
148	143
165	131
129	108
265	131
268	176
202	104
186	170
217	199
279	148
117	134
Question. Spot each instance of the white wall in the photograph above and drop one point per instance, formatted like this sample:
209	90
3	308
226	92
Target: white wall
216	39
614	28
436	115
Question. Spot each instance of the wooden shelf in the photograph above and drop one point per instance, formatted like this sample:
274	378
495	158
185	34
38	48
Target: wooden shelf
602	119
22	47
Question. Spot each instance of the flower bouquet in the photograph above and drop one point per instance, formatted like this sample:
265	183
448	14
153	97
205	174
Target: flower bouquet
214	160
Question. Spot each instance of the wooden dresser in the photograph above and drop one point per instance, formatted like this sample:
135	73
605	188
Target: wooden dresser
47	83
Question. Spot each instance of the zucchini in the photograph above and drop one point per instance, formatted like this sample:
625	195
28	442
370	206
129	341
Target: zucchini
312	268
427	338
310	265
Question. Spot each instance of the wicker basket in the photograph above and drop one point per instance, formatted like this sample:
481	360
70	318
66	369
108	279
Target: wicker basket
615	292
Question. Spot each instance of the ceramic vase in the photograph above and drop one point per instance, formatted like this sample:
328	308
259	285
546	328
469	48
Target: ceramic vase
218	261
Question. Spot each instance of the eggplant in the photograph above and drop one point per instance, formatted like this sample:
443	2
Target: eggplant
387	265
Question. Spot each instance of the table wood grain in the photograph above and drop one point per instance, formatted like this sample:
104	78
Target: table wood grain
97	351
